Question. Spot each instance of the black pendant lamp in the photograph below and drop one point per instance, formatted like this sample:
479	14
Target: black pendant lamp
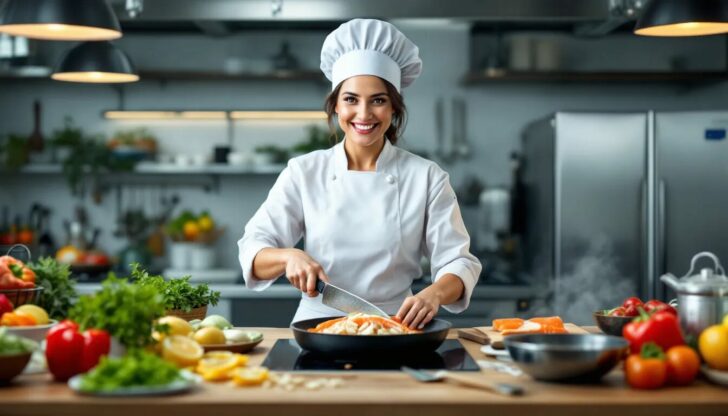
79	20
95	62
683	18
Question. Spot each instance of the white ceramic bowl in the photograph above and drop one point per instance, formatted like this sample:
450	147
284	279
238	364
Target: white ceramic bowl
37	332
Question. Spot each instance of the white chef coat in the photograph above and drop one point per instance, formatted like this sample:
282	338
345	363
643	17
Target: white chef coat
367	229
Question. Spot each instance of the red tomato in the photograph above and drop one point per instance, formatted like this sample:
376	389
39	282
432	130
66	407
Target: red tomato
96	258
634	302
645	373
618	311
655	305
683	365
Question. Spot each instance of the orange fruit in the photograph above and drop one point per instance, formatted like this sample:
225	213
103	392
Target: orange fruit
191	230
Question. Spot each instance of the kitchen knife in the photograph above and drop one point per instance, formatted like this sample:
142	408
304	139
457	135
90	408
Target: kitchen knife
344	301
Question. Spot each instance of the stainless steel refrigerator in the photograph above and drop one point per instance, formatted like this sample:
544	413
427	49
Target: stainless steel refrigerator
627	195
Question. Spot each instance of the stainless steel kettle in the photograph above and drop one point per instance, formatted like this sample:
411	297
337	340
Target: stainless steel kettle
702	298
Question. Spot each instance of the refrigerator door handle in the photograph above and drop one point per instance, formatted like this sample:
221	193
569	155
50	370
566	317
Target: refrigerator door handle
643	233
662	227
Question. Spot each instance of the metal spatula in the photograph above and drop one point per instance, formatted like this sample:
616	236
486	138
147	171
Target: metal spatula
442	375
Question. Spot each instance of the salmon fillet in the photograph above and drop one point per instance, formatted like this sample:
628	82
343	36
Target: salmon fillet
508	323
538	325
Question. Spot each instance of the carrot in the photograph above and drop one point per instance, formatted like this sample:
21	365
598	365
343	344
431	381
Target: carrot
323	325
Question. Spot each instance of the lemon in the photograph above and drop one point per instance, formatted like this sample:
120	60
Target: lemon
181	350
217	365
250	376
713	345
725	321
177	325
209	336
36	312
205	223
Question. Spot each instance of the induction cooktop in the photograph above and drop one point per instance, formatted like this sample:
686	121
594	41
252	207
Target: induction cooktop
287	355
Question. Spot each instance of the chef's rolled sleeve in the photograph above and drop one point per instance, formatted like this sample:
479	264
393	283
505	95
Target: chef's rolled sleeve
447	242
278	223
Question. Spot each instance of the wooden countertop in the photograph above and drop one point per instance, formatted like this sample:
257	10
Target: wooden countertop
378	393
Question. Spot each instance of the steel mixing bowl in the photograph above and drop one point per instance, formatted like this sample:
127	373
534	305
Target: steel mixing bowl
566	357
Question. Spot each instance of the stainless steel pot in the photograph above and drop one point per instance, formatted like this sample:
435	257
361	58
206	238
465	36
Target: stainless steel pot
702	298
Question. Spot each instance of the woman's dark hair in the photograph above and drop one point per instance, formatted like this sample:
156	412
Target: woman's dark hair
399	116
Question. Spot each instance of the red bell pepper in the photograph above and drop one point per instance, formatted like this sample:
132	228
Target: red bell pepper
70	352
662	328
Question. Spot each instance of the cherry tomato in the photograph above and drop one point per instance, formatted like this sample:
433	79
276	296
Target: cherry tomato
683	365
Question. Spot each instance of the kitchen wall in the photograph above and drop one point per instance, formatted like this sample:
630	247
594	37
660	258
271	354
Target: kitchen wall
496	112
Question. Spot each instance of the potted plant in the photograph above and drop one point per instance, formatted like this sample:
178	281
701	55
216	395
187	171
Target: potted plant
80	154
180	298
192	238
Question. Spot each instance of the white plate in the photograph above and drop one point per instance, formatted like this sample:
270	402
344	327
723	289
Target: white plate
489	350
716	376
189	381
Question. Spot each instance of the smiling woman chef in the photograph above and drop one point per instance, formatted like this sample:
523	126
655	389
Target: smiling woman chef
367	210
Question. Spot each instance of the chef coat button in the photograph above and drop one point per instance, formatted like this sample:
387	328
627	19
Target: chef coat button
390	179
333	177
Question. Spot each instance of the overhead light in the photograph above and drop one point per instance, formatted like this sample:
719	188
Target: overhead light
683	18
278	115
213	115
95	62
78	20
165	115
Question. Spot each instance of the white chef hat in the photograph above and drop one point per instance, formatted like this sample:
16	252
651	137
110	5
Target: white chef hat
370	47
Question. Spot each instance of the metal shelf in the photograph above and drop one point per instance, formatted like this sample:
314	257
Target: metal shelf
150	168
496	76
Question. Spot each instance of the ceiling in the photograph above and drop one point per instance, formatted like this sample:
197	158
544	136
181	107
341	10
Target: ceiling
224	17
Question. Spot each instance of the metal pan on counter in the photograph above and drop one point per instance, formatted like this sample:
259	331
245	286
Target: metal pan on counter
431	337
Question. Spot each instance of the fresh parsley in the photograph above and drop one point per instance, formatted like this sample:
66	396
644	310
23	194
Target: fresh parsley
135	369
127	311
59	290
177	293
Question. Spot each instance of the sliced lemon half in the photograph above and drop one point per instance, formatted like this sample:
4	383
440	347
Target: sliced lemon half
181	350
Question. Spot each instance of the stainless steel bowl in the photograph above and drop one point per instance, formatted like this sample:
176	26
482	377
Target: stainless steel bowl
566	357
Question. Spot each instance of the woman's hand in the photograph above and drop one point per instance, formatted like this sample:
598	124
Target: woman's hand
303	271
418	310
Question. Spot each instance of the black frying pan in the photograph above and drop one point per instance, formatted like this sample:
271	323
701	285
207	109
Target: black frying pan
425	342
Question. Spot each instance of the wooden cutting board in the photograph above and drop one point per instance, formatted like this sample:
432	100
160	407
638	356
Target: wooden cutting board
496	336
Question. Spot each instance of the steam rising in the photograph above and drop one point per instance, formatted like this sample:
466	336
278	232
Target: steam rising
593	284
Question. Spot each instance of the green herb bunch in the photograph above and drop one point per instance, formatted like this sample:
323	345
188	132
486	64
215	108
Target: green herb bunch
177	293
137	368
127	311
59	290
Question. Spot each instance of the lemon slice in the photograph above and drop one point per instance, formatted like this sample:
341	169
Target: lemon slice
250	376
181	350
217	365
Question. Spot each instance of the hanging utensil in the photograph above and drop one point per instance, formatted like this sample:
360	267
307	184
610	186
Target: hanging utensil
35	140
461	148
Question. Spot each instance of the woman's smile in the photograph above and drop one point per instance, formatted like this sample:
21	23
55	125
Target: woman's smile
364	128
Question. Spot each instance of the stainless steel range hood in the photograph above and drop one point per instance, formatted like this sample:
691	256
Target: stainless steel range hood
339	10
